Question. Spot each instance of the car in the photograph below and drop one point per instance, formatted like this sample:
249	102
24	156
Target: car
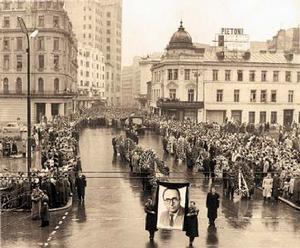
13	127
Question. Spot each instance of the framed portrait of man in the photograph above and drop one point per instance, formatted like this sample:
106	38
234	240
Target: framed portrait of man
172	205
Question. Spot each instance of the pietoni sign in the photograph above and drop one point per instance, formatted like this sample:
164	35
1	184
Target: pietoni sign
233	39
232	31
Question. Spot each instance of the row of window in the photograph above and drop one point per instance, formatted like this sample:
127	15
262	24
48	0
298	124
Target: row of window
173	75
263	117
40	24
253	96
40	43
88	83
18	87
87	74
252	76
19	64
87	64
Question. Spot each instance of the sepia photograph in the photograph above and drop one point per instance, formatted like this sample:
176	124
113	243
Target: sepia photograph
150	123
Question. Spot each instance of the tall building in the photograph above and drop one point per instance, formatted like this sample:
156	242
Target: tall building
98	25
53	60
216	84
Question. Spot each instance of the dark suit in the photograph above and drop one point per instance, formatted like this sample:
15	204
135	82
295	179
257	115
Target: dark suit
164	219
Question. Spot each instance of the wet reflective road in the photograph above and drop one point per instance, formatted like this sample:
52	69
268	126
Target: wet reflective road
113	215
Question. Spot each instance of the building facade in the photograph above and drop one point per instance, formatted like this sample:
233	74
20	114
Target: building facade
53	60
91	76
212	84
98	25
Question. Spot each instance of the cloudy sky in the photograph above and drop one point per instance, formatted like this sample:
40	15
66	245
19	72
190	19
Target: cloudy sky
149	24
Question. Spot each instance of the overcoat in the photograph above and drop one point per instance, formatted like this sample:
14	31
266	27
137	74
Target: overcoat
212	204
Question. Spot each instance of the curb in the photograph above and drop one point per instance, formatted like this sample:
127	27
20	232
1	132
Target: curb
68	205
291	204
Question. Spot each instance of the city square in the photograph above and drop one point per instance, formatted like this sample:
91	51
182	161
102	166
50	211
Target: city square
113	136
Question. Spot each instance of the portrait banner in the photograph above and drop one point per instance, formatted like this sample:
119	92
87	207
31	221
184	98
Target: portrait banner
172	205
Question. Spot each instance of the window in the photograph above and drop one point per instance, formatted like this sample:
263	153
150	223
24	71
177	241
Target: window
56	21
5	86
108	56
264	76
6	62
108	31
107	40
252	76
273	117
19	43
87	73
263	96
215	75
175	74
240	75
108	14
187	73
170	74
291	96
55	44
108	23
87	64
251	117
298	76
253	96
273	95
40	43
288	76
191	93
262	117
56	85
5	43
227	75
19	63
275	76
41	62
219	95
41	21
172	94
236	96
19	86
20	5
6	22
6	5
40	85
41	4
56	62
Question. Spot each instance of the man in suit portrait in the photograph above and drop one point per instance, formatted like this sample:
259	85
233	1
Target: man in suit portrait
173	217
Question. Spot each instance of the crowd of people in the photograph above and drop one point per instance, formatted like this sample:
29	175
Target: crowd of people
230	152
58	177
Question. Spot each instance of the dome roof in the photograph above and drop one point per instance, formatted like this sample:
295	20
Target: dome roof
180	39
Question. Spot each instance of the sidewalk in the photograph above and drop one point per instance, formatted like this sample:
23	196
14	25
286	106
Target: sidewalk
288	202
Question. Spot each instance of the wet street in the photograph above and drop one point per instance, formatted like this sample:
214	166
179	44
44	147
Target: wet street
113	213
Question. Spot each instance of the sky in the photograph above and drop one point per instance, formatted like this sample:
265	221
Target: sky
149	24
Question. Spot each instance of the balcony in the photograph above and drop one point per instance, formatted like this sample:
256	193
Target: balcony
166	103
38	94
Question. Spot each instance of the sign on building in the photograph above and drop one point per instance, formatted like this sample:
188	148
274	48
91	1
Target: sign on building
233	39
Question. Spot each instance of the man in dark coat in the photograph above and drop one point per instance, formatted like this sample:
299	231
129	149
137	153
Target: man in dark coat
151	218
206	168
276	187
80	185
212	167
45	214
212	205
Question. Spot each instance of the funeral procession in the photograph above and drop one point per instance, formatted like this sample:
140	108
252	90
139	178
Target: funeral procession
149	124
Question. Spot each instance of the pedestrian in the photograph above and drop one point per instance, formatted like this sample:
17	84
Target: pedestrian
80	185
212	205
192	223
151	218
267	187
36	199
45	214
276	187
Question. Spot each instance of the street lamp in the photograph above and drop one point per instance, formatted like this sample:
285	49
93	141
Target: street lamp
34	34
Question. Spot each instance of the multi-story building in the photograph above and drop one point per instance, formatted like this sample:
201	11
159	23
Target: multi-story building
91	76
53	60
98	24
212	84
